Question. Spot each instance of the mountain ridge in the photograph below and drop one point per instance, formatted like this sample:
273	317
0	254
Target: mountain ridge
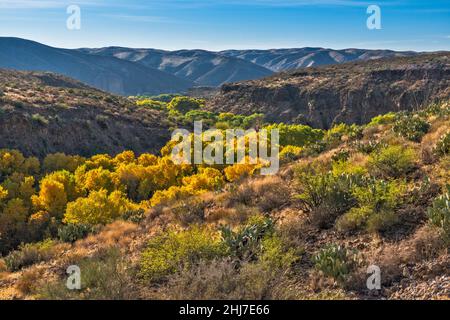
106	73
353	92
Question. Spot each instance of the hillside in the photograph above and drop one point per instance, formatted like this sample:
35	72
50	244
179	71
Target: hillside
288	59
205	68
142	228
106	73
349	93
42	113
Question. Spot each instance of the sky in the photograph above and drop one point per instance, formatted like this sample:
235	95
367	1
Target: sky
231	24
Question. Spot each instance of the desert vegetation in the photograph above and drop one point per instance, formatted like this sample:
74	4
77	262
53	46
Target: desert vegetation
139	226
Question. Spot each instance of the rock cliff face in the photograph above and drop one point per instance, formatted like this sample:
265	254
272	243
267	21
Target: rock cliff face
43	113
348	93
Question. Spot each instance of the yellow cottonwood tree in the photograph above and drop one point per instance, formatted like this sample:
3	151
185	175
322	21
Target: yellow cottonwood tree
98	208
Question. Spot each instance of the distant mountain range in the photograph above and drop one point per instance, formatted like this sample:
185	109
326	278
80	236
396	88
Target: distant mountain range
288	59
205	68
128	71
106	73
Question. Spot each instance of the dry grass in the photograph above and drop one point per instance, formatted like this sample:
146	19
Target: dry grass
268	193
426	243
220	280
234	216
29	281
428	144
118	233
3	267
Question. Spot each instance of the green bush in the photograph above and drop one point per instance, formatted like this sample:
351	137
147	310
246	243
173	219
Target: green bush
326	196
296	135
290	153
152	104
341	156
164	97
185	104
39	119
387	118
443	145
333	137
29	254
334	261
207	117
367	147
377	202
74	232
411	127
274	253
168	253
439	213
245	243
135	216
392	162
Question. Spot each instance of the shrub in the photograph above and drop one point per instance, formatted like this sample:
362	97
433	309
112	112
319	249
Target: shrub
61	161
392	162
174	193
73	232
341	156
348	168
368	147
296	135
166	97
376	211
443	145
153	104
239	171
439	213
244	244
39	119
174	251
207	117
106	276
29	281
326	196
221	280
411	127
189	211
274	253
29	254
334	261
387	118
135	216
335	135
290	153
185	104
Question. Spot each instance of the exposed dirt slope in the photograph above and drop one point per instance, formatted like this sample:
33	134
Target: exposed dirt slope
43	113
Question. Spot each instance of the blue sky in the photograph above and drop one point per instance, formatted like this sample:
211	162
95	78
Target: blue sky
231	24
